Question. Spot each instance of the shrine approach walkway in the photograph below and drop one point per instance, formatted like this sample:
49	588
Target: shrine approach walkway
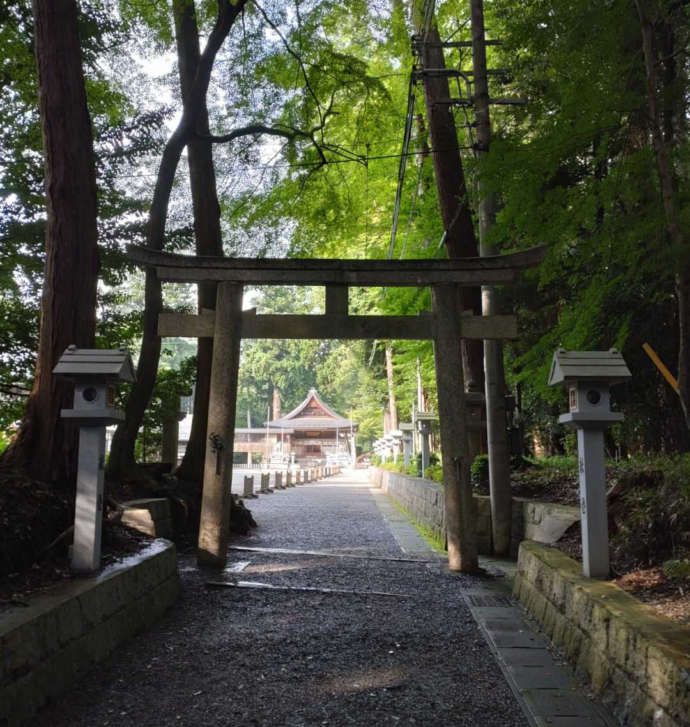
371	641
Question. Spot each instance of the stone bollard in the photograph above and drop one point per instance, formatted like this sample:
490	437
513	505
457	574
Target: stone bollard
279	481
288	480
248	486
265	478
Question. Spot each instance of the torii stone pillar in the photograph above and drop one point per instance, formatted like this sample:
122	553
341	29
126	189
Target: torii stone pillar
215	503
460	515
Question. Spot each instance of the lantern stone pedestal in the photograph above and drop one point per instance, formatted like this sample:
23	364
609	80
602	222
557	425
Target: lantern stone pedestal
94	372
588	376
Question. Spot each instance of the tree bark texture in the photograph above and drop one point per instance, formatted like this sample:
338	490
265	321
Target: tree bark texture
667	130
392	406
122	449
46	447
494	381
451	188
207	232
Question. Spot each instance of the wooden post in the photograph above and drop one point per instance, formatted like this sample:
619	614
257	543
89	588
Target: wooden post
337	300
215	504
460	511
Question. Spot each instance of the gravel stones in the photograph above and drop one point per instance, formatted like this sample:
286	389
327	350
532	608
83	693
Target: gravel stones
288	658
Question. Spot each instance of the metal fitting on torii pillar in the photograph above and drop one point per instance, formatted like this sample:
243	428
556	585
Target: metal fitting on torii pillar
588	376
94	371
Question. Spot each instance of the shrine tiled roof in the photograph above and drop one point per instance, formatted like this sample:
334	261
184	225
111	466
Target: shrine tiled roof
313	413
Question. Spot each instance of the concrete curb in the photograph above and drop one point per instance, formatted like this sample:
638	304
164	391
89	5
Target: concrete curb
46	647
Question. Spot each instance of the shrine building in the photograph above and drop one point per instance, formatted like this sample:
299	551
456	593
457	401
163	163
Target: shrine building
312	433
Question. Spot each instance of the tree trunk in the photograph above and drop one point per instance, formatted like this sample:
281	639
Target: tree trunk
122	450
207	231
45	446
665	134
392	406
499	457
452	191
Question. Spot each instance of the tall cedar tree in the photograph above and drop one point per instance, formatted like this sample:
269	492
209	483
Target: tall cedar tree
45	446
207	233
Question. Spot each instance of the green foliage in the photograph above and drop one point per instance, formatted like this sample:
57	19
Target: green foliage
677	569
412	469
654	519
566	464
479	471
398	467
4	441
573	168
567	173
434	472
171	384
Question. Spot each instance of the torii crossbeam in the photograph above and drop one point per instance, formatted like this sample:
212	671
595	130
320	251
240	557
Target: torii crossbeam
446	326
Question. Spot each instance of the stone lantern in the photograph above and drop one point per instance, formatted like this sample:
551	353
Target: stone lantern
407	440
588	376
422	423
94	373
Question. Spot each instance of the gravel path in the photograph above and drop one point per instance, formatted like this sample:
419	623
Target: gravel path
288	658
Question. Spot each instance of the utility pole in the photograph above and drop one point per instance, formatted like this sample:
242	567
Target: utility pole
451	189
494	386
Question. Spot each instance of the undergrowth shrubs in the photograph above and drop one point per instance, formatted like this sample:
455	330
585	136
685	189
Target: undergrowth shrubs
649	510
434	472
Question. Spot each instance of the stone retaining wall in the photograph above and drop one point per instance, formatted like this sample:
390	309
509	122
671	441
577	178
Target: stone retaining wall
423	500
44	648
638	662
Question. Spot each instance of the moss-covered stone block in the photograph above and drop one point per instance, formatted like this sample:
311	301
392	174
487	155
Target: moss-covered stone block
637	661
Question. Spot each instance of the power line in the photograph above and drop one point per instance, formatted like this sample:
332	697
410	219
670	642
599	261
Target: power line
403	163
363	160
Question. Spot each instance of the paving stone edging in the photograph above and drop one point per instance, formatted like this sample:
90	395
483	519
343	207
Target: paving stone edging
45	647
424	502
638	663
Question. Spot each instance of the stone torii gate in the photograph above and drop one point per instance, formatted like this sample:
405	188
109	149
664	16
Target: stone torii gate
445	326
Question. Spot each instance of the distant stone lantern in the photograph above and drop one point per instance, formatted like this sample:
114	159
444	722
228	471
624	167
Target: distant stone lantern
588	376
407	440
94	373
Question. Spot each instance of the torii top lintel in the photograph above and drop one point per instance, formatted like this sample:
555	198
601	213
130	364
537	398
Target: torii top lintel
474	271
